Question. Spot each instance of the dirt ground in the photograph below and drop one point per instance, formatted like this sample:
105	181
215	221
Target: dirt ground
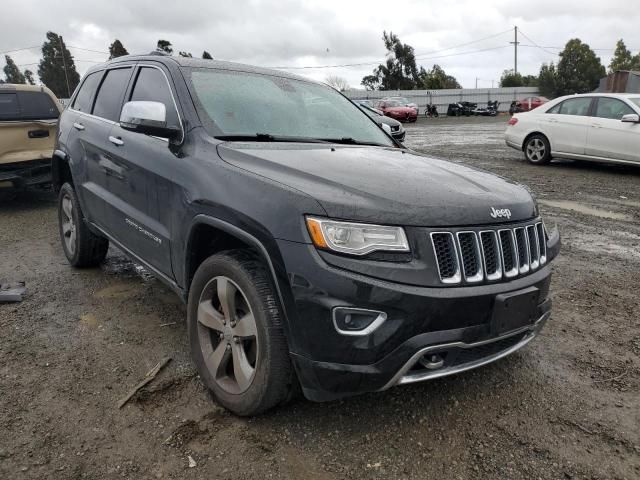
565	407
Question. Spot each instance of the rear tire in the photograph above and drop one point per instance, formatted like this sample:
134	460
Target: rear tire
81	246
236	334
537	150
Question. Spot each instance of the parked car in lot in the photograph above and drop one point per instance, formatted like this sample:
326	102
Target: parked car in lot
601	127
397	110
309	246
405	101
527	104
397	130
28	123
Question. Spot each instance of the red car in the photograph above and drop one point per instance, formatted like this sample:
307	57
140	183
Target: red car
397	111
530	103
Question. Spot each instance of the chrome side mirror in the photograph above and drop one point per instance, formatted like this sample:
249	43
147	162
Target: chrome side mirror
147	117
630	118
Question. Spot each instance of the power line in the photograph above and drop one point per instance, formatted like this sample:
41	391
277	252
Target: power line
418	56
535	44
19	49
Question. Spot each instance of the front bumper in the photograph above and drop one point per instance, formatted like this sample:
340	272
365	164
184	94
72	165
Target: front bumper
454	321
21	175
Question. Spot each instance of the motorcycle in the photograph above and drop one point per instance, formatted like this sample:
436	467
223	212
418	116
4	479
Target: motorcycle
431	111
491	110
515	107
461	108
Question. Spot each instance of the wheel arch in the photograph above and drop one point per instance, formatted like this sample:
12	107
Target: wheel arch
531	134
60	170
209	235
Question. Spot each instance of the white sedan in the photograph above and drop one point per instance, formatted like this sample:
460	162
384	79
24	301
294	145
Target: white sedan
603	127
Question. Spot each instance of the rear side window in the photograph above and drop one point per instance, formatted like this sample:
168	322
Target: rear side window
27	106
109	99
37	106
9	109
152	86
612	108
82	102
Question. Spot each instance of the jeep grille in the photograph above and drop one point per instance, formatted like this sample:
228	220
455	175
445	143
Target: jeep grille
490	254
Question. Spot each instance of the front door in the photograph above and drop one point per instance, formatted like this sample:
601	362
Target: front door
567	124
608	136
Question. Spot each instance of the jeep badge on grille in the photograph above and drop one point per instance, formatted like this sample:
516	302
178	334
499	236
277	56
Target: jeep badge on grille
503	212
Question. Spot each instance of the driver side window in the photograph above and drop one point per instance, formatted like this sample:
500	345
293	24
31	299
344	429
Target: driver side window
151	85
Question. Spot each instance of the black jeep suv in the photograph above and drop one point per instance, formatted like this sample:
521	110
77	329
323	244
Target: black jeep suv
311	249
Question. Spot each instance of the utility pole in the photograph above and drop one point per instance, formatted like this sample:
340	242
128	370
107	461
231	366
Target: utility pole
476	82
64	65
515	49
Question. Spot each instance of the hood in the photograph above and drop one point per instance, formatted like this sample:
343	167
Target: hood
387	120
385	185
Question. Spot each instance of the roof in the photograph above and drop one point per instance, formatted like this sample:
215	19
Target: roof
603	94
14	87
188	62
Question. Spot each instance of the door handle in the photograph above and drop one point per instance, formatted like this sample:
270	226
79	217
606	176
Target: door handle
552	120
38	133
78	126
596	125
116	141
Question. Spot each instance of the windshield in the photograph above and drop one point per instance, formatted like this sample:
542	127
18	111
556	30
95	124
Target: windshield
244	104
636	100
369	111
393	103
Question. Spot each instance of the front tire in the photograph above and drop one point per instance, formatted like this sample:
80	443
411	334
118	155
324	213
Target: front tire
537	150
236	334
81	246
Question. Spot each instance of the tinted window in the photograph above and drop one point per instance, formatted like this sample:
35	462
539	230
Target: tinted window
152	86
573	106
27	106
37	106
612	108
9	109
109	98
83	99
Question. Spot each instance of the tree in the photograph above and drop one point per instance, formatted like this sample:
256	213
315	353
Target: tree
336	82
185	54
116	49
165	46
547	80
12	72
57	69
399	72
28	75
579	69
206	55
436	79
511	79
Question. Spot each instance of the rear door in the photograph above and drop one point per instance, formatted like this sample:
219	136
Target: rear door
28	121
566	125
145	175
607	136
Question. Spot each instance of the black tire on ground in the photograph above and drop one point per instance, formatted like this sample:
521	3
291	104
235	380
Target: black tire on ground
273	379
81	246
537	149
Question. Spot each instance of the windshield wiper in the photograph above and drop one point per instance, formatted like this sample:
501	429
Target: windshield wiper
267	137
352	141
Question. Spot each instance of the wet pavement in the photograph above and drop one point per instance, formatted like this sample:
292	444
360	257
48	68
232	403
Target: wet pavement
565	407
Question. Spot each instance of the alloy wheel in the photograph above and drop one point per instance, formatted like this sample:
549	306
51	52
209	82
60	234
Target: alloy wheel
536	150
68	224
227	333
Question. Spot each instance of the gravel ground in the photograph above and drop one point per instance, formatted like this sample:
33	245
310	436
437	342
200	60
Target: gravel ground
567	406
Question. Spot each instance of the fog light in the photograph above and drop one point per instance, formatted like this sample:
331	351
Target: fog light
357	321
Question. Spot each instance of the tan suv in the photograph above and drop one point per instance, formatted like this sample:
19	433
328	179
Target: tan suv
28	124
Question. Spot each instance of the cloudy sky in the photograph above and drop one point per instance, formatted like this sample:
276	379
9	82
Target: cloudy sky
468	38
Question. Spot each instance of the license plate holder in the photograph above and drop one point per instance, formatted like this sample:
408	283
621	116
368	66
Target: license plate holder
514	310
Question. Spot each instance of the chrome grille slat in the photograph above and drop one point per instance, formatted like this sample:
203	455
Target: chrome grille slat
446	253
471	256
534	249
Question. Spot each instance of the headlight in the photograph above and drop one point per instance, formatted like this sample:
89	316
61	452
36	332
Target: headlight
355	238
